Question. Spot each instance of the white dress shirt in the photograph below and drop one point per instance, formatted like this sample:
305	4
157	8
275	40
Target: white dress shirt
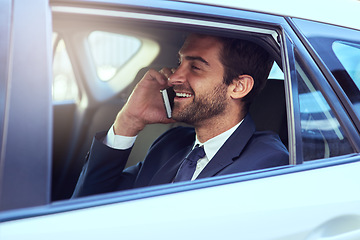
211	146
117	141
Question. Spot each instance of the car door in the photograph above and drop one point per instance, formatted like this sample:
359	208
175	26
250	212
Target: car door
314	197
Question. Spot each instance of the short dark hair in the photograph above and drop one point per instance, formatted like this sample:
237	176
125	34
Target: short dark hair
242	57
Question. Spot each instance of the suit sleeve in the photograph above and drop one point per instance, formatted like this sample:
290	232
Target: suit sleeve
104	167
104	170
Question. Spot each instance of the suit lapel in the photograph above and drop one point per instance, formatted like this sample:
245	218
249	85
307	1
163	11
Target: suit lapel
231	149
168	171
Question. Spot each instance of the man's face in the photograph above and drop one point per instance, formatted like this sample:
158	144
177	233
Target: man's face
198	81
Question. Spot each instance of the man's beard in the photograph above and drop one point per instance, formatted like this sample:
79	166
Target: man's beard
202	108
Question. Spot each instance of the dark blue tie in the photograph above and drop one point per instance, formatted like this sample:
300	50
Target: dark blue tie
187	168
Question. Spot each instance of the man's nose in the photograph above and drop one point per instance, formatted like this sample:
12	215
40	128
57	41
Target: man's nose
178	76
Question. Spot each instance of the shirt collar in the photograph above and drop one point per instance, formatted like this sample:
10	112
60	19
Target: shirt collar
213	145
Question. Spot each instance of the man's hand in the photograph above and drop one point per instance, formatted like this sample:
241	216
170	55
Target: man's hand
145	104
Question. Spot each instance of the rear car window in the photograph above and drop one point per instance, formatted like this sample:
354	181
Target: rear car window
64	84
321	133
349	56
111	51
339	49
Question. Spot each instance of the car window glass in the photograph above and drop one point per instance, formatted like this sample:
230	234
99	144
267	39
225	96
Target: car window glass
64	84
349	56
276	72
338	48
321	133
111	51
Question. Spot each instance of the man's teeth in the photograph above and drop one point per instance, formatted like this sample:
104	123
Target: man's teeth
183	95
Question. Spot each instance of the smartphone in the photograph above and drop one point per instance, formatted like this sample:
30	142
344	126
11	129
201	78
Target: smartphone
168	96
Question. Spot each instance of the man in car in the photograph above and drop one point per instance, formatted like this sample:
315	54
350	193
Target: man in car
215	82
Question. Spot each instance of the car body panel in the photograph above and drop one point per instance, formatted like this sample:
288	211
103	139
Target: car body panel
337	12
305	200
257	209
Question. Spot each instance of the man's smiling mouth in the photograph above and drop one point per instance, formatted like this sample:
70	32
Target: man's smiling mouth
183	95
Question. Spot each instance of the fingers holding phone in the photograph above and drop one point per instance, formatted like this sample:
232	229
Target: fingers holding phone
145	105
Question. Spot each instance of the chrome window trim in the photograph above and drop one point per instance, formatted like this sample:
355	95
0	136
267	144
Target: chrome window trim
162	18
288	58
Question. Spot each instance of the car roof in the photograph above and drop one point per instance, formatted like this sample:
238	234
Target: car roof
343	13
337	12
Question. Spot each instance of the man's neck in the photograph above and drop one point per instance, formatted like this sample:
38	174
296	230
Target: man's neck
211	128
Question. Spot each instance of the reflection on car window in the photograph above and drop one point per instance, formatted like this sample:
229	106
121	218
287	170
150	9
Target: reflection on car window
349	56
276	72
338	48
64	85
111	51
322	135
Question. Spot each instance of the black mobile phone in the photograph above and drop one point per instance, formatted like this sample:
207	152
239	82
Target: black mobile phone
168	96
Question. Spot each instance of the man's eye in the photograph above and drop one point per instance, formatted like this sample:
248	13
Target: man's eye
194	67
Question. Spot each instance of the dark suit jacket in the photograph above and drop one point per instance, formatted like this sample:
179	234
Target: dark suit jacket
245	150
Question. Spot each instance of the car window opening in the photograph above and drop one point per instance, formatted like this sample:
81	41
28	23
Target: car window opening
268	110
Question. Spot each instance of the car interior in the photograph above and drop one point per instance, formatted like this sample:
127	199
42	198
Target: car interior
96	101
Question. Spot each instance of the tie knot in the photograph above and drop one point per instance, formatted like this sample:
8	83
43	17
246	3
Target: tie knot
197	153
187	168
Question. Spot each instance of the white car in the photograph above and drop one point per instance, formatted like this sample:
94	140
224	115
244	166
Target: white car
67	67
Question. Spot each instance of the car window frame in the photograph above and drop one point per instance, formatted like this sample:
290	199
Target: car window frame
292	98
5	17
27	127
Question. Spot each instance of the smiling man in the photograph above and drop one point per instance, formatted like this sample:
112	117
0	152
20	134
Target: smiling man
215	82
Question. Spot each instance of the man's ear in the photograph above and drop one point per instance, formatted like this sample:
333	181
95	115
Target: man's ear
241	86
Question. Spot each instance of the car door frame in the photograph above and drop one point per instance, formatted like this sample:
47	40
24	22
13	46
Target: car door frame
25	106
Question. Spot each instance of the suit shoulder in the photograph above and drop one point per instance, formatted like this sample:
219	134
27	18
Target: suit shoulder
269	140
176	135
267	150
